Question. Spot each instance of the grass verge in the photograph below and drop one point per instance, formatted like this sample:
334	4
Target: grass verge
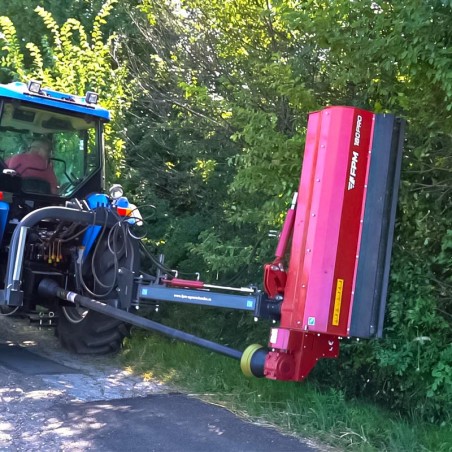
302	409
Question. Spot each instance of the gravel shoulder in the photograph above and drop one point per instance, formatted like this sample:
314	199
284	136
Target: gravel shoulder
28	401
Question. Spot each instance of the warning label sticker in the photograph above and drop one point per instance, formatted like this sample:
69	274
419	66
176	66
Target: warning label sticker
338	302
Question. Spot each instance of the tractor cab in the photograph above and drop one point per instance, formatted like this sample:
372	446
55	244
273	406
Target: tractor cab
51	144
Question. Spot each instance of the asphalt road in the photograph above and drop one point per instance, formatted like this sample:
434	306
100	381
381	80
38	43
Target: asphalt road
54	401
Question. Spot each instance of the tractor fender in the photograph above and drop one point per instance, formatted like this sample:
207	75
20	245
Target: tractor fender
95	200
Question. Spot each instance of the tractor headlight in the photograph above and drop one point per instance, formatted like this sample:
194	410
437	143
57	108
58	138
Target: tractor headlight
34	86
91	97
116	191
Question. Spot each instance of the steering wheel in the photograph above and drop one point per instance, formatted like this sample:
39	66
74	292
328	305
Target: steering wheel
67	187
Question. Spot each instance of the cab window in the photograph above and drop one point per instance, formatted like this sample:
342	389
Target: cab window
73	143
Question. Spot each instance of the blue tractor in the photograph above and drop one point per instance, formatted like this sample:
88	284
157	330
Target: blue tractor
55	220
70	248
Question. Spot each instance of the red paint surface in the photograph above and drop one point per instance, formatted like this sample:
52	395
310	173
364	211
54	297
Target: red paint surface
325	242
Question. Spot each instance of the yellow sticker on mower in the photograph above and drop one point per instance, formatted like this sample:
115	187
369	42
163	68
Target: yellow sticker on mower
338	302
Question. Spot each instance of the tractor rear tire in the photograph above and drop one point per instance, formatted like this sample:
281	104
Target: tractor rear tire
95	334
88	332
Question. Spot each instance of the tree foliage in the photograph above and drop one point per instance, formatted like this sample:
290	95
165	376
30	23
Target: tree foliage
226	81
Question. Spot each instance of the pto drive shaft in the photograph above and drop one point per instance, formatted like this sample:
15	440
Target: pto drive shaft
50	288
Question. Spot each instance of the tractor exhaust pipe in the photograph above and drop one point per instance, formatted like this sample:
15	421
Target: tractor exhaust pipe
49	288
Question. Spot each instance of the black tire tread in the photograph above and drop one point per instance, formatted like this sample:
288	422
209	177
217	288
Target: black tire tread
97	334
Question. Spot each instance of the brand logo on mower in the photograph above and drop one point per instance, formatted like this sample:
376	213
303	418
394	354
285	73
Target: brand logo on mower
355	155
353	168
